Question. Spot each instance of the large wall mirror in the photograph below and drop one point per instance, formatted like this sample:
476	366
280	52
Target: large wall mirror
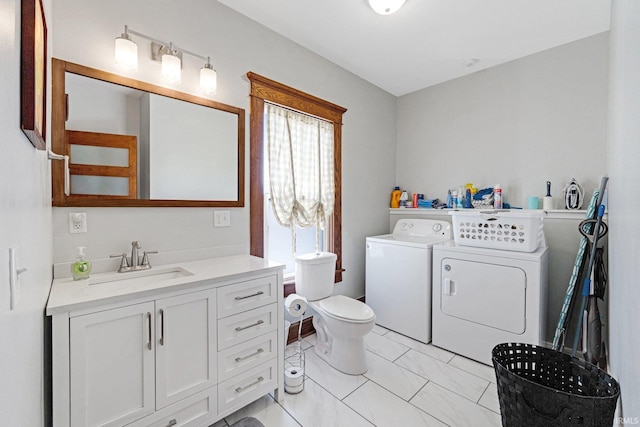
131	143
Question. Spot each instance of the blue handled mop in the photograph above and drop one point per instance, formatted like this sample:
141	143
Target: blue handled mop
558	338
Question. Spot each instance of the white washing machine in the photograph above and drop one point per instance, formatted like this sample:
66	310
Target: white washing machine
398	275
483	297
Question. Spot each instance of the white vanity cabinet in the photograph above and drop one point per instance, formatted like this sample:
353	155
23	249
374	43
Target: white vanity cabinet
128	362
112	366
185	354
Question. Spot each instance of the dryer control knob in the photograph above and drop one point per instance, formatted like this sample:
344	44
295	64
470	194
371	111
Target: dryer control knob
447	267
437	227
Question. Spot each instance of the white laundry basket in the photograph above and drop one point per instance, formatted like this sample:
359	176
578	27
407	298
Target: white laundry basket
506	230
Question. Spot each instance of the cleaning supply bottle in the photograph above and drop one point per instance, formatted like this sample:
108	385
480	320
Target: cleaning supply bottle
395	197
497	197
467	199
81	266
403	199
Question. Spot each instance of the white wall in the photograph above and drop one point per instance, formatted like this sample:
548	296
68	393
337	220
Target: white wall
538	118
25	209
624	236
85	31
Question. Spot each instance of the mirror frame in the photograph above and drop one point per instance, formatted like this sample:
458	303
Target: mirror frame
59	111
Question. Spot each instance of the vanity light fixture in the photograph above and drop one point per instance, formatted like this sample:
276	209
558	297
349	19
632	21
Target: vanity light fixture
171	65
126	55
386	7
208	78
126	51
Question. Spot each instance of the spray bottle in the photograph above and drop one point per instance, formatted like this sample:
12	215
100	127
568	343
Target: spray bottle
497	197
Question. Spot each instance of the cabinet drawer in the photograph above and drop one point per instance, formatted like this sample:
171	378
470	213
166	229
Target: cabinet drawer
244	296
247	387
244	326
247	355
195	410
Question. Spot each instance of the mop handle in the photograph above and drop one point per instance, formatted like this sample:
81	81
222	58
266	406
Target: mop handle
587	281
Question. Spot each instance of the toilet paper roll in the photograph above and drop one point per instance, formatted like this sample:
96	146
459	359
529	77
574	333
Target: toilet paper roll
295	305
293	380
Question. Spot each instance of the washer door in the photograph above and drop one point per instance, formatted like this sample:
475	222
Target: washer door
492	295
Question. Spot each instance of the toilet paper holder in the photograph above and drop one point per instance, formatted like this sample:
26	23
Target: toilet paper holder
294	362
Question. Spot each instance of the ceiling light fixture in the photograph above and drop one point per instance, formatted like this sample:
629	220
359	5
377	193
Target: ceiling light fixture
126	56
386	7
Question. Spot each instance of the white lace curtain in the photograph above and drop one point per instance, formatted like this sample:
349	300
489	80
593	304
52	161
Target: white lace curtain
301	168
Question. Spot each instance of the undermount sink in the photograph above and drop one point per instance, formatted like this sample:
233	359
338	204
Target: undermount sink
141	277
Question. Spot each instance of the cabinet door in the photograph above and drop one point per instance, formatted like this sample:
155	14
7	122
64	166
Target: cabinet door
186	358
112	366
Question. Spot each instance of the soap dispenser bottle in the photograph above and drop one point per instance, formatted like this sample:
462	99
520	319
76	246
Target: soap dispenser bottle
81	266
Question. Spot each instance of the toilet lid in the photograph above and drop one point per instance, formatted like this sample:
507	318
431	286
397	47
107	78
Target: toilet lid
346	308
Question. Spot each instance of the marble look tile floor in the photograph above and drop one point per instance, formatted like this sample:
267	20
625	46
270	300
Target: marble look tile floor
408	383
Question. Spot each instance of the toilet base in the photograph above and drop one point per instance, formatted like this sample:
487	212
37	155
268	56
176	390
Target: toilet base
346	354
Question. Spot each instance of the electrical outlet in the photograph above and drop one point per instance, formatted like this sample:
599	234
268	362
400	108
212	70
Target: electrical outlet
221	218
77	222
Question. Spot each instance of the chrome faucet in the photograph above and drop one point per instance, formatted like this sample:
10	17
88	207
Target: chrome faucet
134	264
135	260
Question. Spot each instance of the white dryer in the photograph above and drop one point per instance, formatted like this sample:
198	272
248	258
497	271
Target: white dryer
483	297
398	275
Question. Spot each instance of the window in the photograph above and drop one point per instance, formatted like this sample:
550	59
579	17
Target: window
263	89
298	183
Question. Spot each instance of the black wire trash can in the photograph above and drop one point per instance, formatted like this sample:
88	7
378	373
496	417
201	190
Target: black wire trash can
541	387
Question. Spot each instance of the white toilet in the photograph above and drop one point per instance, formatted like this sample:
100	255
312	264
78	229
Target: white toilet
342	322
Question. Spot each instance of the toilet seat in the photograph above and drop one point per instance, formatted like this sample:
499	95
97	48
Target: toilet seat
346	309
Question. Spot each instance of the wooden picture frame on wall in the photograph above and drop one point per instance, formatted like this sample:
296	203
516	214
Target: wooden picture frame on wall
33	73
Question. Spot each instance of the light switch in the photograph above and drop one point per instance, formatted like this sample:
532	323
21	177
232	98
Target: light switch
14	277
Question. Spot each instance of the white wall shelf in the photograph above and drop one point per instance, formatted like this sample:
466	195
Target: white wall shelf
551	214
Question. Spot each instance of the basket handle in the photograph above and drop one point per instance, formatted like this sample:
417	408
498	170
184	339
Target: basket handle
489	215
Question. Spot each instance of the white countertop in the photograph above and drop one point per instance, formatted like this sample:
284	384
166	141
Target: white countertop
68	294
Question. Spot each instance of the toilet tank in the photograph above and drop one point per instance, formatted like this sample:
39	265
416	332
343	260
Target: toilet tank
315	275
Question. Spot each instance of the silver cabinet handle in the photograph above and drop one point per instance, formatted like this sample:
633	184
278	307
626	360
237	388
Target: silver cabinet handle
240	359
259	380
161	326
249	296
172	423
149	322
242	328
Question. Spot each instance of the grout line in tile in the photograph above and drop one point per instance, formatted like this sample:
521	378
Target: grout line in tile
420	409
359	414
419	390
344	403
396	359
352	391
329	391
289	413
470	373
482	394
447	388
